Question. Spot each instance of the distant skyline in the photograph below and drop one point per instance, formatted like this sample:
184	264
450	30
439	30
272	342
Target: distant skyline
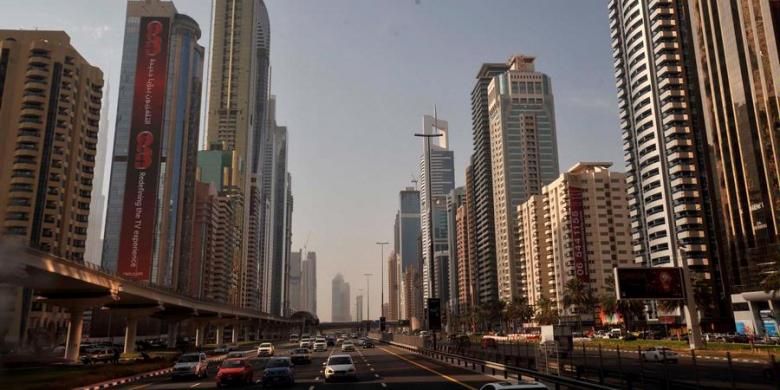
353	80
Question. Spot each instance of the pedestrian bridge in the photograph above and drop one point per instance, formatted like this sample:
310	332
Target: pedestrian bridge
79	286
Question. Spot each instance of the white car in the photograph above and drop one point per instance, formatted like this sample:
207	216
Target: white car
660	354
320	346
305	343
191	364
339	367
347	346
524	385
265	349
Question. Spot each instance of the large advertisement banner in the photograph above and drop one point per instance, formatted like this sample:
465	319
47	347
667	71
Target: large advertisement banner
579	249
649	283
136	241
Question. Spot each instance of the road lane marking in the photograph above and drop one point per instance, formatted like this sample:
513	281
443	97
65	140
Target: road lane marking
311	387
447	377
383	384
195	385
376	375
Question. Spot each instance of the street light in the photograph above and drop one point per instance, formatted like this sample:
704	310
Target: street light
427	138
382	273
368	297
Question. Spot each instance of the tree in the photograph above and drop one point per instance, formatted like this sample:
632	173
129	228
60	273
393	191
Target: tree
546	312
518	310
578	294
771	283
628	309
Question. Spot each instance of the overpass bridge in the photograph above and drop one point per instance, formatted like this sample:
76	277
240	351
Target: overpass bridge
79	286
361	324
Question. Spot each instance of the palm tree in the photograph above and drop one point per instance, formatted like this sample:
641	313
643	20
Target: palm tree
518	310
546	312
628	309
577	294
771	283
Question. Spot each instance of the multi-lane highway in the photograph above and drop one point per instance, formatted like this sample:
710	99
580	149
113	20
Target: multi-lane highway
383	367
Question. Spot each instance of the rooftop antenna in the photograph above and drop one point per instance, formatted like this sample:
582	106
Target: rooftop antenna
414	180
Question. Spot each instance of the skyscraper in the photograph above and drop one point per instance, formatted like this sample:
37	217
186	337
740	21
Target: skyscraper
97	205
340	308
669	179
433	207
50	100
279	223
393	284
155	146
524	156
309	283
482	174
295	287
455	199
409	249
359	308
238	110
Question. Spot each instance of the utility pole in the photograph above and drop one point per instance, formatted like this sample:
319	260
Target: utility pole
382	273
368	297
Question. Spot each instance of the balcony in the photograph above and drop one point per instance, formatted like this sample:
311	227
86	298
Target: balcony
673	71
690	234
679	155
669	81
675	118
684	180
671	92
663	23
37	73
666	45
685	194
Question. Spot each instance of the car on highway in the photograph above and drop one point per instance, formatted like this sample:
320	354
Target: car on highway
368	343
293	338
330	340
221	350
99	355
235	354
523	385
265	349
278	371
235	371
347	346
339	367
191	364
320	346
340	340
305	343
659	354
300	355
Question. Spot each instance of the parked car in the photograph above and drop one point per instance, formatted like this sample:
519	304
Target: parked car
300	355
339	367
524	385
347	346
191	364
660	354
235	371
265	349
278	371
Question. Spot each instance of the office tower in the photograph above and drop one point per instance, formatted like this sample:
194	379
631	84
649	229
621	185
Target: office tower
664	140
97	215
295	287
279	223
409	250
49	109
463	248
238	105
309	283
577	228
455	199
433	207
393	284
467	261
524	156
205	194
740	104
482	172
155	146
359	308
340	308
222	234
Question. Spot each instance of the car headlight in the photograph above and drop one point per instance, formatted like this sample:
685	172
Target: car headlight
329	370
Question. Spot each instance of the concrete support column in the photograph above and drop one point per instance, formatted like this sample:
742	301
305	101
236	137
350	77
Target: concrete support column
173	334
259	334
246	333
234	333
131	330
200	335
73	342
220	334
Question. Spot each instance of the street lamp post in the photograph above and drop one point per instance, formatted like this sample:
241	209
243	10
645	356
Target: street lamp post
368	297
382	274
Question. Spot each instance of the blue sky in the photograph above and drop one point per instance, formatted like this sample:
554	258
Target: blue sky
353	79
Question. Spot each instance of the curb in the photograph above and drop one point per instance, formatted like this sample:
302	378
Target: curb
125	380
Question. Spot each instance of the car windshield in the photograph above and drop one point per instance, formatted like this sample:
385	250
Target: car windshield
301	350
265	345
338	360
232	363
274	363
189	358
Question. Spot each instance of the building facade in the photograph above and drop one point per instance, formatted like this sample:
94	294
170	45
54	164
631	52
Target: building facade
524	156
295	287
409	248
340	307
455	200
359	308
393	285
670	183
50	102
309	283
160	137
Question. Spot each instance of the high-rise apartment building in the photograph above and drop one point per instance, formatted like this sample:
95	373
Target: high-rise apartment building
409	249
238	111
455	200
280	214
670	184
439	160
577	228
97	205
393	285
463	244
359	308
482	177
294	283
309	283
50	101
340	307
524	156
155	146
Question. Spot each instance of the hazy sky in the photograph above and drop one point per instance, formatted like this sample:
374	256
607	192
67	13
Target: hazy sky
353	79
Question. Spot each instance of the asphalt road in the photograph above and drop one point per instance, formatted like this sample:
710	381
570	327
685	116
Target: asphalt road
382	367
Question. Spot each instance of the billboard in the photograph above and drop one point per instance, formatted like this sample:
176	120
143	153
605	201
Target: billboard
136	241
434	314
649	283
579	250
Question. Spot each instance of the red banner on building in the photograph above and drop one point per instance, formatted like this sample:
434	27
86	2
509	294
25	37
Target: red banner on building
136	242
579	249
